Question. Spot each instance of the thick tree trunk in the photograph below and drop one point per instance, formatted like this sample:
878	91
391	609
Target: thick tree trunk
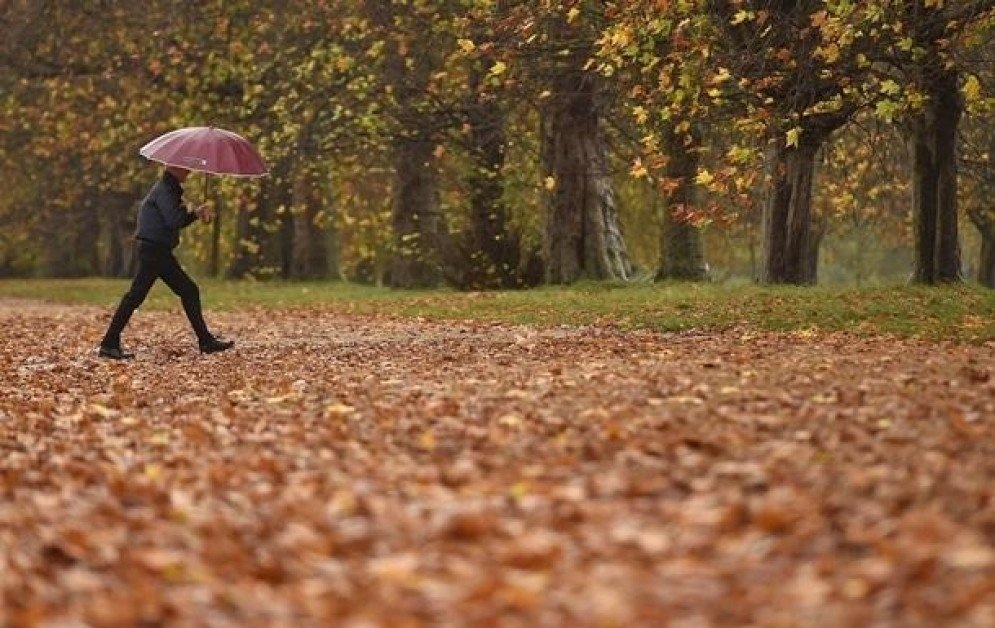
934	183
983	216
817	233
115	261
262	242
415	216
985	224
681	255
248	237
986	268
119	211
582	235
71	241
285	239
310	245
787	222
499	255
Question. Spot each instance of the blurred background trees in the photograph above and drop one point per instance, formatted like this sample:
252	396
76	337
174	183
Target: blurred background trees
496	144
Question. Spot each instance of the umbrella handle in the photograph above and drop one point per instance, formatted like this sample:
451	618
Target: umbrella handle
208	200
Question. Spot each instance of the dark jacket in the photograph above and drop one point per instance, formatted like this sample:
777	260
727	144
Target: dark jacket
163	213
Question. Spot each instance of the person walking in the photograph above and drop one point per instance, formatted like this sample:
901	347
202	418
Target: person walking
160	218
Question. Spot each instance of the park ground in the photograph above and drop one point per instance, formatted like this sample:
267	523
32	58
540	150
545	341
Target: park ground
589	457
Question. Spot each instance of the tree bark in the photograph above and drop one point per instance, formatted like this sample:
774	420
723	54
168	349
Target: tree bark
119	209
816	234
985	224
487	209
582	235
415	212
249	234
492	257
259	231
310	247
787	220
934	182
285	238
415	216
70	241
986	268
681	254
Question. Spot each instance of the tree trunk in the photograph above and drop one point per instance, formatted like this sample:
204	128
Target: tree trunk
115	261
986	268
493	251
582	235
262	244
985	224
415	216
488	213
71	240
310	245
787	216
247	236
415	212
285	238
934	183
817	233
681	255
119	210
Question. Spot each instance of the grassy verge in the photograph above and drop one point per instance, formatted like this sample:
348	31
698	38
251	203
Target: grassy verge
964	313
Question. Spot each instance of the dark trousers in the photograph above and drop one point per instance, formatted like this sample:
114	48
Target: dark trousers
157	261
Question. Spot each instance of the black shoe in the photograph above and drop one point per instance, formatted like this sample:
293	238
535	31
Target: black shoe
214	345
114	353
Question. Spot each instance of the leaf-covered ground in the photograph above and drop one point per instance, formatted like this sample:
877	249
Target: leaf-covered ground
364	470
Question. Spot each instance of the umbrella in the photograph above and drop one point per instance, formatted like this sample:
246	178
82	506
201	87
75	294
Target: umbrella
206	149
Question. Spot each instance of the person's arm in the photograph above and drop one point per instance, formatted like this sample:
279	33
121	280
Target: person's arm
174	211
190	216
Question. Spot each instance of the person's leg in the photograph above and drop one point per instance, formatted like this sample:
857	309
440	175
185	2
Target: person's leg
184	287
140	286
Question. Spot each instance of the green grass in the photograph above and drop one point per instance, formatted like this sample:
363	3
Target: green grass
963	313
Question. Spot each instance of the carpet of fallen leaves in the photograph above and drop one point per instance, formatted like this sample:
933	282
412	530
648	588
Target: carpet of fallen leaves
365	470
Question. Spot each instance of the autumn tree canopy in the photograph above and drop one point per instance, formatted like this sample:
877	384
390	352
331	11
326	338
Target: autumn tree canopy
489	144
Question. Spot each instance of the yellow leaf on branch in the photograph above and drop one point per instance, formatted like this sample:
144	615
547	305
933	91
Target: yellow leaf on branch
792	136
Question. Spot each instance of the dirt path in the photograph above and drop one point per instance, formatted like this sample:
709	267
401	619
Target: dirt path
369	471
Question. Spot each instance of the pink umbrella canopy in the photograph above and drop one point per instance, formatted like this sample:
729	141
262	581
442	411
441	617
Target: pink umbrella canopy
207	149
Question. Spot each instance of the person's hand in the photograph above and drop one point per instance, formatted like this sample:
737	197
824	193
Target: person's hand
205	212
